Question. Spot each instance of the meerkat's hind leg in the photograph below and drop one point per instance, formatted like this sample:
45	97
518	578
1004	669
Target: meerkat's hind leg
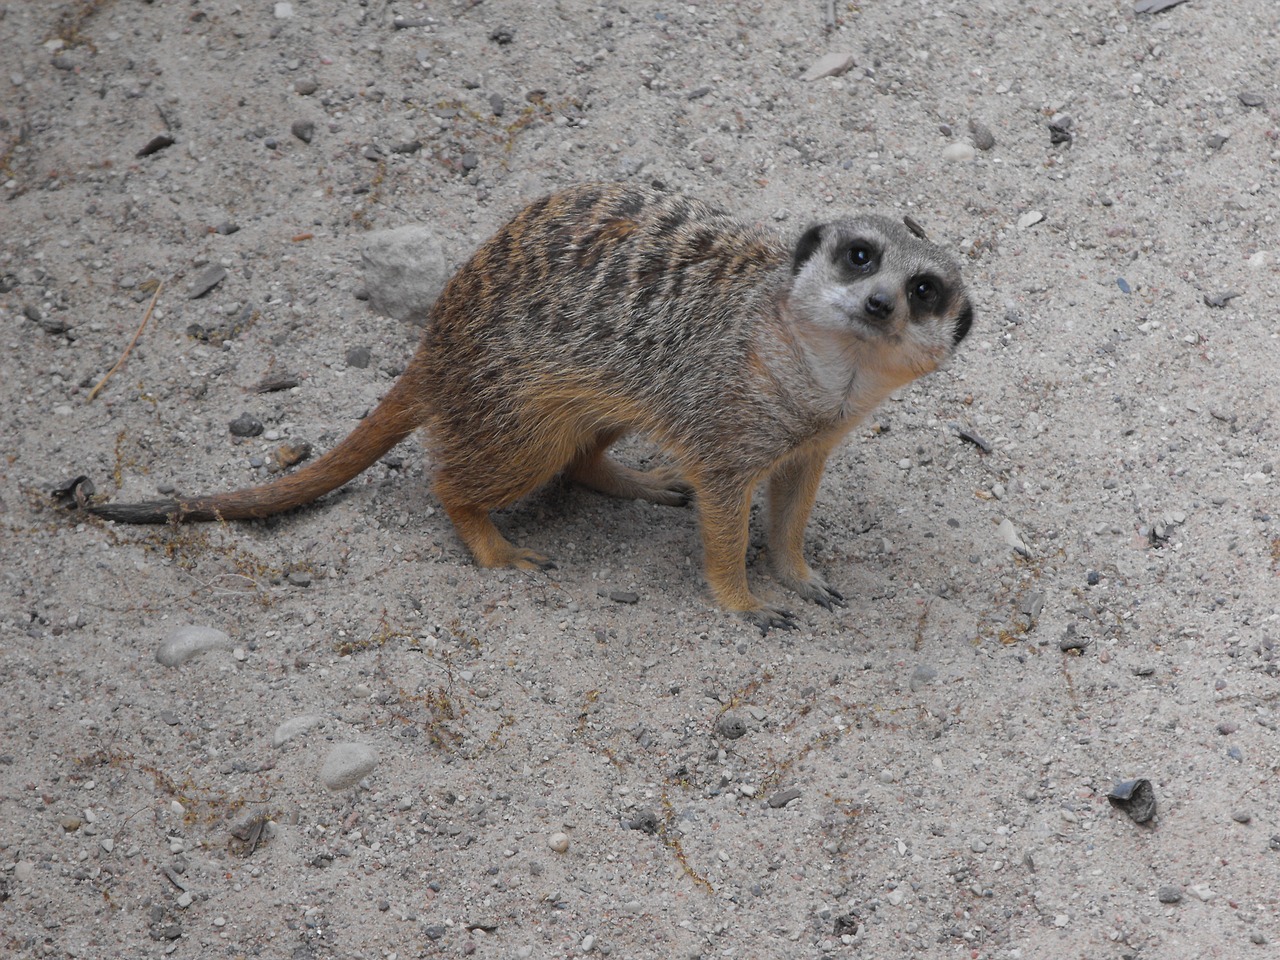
594	468
793	487
489	547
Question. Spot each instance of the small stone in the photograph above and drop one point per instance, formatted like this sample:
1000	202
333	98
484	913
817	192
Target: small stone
1204	893
1093	578
1169	894
347	764
961	151
294	727
187	642
731	726
783	797
646	821
1216	141
978	846
624	596
1029	219
1008	533
304	130
982	136
1226	728
1221	298
1242	816
559	842
359	357
206	280
1060	128
1249	98
245	425
107	844
306	87
299	578
283	11
831	65
404	270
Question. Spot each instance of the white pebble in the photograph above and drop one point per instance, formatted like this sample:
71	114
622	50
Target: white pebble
1029	219
559	842
191	641
347	764
284	11
960	151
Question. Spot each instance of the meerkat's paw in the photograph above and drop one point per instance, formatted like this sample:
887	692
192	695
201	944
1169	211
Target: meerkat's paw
666	486
523	559
816	590
766	618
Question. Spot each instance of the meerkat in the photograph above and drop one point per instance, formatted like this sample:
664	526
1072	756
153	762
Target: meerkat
606	309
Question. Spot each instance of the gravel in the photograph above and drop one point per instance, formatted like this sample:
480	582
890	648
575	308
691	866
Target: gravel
506	706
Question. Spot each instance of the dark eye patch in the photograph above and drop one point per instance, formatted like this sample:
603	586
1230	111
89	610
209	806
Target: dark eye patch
924	290
862	257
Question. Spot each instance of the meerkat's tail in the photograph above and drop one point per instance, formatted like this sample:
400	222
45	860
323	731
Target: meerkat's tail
401	412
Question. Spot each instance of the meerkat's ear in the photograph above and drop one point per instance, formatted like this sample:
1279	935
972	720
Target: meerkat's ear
963	323
805	247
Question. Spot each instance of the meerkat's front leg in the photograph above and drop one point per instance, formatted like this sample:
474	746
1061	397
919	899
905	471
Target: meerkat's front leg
793	486
724	510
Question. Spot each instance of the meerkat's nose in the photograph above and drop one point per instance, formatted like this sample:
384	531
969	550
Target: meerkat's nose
879	305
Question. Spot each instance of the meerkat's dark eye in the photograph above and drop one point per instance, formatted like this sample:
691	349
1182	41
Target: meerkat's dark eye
861	257
924	290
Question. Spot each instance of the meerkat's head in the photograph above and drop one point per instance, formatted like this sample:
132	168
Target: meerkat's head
877	287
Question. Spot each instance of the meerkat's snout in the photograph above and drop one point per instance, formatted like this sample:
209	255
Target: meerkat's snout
880	305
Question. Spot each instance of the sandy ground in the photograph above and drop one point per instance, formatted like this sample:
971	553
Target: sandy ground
599	761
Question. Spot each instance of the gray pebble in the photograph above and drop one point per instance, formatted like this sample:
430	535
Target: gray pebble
245	425
646	821
624	596
347	764
1169	894
293	727
359	357
497	104
982	136
1242	816
299	578
731	726
206	280
306	87
783	797
304	130
1221	298
1251	99
191	641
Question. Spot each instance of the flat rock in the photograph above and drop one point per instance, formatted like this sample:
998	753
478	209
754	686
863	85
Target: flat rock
295	727
206	280
404	271
347	764
831	65
191	641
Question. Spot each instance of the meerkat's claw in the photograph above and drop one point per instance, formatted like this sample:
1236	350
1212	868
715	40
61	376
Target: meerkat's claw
771	618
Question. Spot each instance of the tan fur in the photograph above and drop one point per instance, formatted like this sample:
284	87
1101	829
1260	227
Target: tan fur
603	310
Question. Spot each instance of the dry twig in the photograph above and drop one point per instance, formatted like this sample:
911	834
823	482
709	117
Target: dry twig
142	326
